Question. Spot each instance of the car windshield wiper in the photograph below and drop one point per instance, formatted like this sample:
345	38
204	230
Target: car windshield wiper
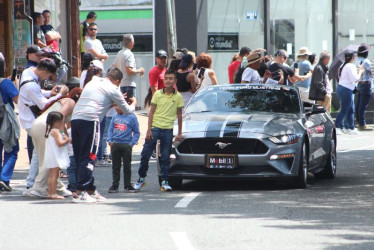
202	111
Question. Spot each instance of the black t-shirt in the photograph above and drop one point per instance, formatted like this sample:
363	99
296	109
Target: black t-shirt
46	28
287	71
182	84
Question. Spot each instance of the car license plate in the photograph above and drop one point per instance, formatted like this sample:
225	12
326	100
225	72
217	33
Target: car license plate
221	161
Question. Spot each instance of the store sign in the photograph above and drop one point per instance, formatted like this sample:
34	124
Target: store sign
223	41
251	15
113	43
22	33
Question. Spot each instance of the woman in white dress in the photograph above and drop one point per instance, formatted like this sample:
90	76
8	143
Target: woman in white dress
206	75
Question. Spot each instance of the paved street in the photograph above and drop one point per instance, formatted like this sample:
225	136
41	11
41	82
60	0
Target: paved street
329	214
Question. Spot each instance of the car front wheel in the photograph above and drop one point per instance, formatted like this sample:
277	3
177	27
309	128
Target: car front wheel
302	175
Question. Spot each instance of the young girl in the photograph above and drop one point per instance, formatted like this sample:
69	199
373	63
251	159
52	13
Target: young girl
56	151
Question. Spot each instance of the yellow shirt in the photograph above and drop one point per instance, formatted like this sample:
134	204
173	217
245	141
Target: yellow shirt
166	108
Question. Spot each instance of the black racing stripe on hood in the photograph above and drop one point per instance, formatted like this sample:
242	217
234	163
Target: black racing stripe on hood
232	129
214	127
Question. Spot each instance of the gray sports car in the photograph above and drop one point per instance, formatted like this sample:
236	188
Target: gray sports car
247	131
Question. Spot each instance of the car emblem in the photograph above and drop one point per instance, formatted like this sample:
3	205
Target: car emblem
222	145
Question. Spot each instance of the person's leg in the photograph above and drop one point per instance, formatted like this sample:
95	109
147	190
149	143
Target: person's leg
71	174
365	93
345	96
146	153
52	180
166	140
126	157
350	114
116	163
30	147
34	166
10	158
100	152
358	100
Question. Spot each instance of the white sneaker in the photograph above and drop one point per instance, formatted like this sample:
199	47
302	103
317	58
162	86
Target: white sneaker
100	163
39	193
97	196
84	197
345	130
339	131
64	192
165	187
353	132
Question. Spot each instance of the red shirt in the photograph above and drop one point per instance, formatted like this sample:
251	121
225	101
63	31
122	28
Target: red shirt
233	67
156	77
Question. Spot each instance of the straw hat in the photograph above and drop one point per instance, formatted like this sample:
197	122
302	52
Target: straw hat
252	58
304	51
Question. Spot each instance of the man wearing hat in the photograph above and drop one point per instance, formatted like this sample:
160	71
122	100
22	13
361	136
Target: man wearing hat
303	67
157	73
364	86
33	56
125	61
250	74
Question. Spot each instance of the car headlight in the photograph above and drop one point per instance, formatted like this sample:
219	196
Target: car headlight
284	139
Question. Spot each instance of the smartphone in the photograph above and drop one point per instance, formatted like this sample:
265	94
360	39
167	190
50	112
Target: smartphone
194	66
201	73
296	65
14	73
58	89
130	94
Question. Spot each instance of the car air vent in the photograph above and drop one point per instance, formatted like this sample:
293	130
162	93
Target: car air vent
222	146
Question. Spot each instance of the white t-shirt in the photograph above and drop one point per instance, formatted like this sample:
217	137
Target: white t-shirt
251	76
349	76
125	58
31	94
96	44
83	77
207	80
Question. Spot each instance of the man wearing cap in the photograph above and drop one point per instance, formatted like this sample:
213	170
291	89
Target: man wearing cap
33	56
94	45
234	66
364	86
125	61
157	73
290	77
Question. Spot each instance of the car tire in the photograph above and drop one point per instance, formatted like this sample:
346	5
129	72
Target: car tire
175	183
329	171
301	180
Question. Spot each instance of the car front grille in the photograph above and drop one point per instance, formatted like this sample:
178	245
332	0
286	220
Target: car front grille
228	146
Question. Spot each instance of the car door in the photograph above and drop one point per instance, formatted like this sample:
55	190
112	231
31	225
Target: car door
315	125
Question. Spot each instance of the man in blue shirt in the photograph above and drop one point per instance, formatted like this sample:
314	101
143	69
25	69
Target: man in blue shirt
123	134
364	86
9	93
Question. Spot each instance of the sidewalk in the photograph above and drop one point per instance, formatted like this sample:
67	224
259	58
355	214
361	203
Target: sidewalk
23	159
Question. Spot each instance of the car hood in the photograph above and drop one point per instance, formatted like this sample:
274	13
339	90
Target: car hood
254	125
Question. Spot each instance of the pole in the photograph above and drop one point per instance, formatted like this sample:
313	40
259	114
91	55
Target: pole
171	25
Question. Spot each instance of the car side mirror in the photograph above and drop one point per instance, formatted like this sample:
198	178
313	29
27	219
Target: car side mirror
316	109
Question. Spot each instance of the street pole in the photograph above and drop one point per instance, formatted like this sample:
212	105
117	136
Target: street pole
172	38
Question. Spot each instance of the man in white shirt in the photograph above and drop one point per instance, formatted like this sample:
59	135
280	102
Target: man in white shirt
250	74
31	96
93	45
125	61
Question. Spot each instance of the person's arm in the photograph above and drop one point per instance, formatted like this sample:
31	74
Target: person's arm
136	136
179	115
52	35
153	81
317	80
134	71
56	135
120	101
40	43
191	80
149	135
213	77
110	132
97	54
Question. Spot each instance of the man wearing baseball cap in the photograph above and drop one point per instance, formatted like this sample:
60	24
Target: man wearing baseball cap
33	56
157	73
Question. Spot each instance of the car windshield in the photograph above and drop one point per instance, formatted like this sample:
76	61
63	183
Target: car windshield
245	98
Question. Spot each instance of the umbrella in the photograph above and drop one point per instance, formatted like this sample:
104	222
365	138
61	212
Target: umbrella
339	60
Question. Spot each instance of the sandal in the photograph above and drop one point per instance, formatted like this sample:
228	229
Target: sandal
63	175
56	197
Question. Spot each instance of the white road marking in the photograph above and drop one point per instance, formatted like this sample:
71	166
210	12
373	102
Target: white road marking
355	149
181	240
187	200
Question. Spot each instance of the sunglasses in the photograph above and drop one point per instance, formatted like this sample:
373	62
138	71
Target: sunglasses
92	29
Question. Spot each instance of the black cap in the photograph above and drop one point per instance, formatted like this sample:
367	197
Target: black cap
161	53
34	49
186	61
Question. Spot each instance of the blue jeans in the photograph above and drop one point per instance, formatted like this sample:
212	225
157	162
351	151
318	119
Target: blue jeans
7	166
363	98
166	138
130	91
71	173
346	107
101	152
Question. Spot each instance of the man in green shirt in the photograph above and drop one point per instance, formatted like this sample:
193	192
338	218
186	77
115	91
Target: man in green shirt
166	105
